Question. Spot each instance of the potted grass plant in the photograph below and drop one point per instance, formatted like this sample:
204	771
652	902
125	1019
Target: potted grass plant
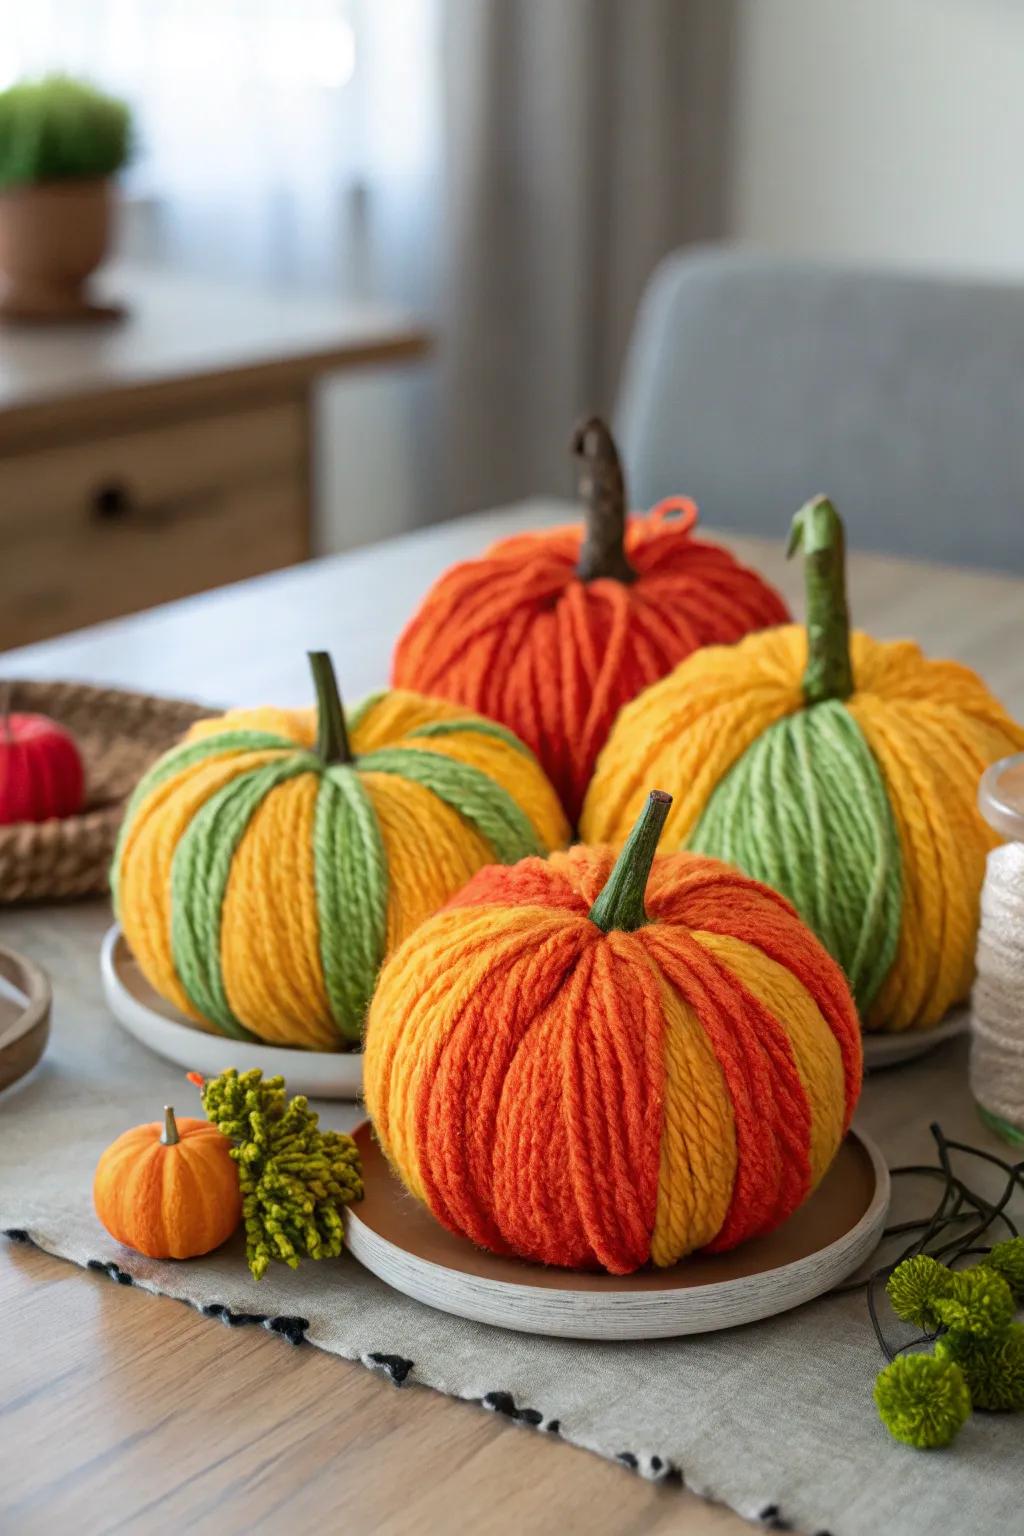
61	143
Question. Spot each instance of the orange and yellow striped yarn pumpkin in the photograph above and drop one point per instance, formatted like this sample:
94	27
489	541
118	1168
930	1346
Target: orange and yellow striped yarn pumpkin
552	632
267	865
839	769
586	1067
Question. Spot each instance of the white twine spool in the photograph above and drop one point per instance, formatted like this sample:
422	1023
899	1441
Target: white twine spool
997	1002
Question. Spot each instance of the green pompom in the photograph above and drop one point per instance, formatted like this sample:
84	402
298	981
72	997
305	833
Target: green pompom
993	1367
1007	1259
294	1178
915	1286
922	1401
980	1302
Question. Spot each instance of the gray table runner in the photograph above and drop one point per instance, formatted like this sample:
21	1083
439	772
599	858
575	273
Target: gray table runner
774	1419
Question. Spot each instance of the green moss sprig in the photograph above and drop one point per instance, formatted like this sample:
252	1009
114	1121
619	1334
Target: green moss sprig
978	1360
295	1178
922	1400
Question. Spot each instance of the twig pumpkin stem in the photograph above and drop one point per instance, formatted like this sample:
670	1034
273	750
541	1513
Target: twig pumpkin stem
170	1137
818	531
621	903
603	493
332	743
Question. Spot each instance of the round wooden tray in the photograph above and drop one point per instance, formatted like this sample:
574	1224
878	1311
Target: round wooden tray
158	1025
25	1001
818	1247
882	1050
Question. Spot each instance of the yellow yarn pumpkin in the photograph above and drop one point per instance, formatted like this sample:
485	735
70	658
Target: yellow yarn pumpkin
841	770
269	863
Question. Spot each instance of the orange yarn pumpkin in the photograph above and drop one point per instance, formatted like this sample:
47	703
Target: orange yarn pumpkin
568	1069
551	633
169	1190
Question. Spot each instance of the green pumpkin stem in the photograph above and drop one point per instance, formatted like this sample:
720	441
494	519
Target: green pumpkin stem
603	493
621	902
332	742
170	1137
818	531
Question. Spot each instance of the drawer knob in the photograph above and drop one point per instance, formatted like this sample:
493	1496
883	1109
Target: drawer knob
112	503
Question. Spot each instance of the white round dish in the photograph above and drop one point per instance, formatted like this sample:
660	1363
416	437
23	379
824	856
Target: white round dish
821	1245
159	1026
882	1050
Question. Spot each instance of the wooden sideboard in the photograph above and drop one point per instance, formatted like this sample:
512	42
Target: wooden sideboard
167	453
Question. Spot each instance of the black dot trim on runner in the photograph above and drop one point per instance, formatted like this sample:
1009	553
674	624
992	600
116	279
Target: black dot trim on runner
17	1234
505	1404
656	1469
111	1269
225	1315
397	1367
291	1328
771	1516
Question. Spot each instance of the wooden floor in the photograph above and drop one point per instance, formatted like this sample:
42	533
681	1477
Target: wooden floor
137	1414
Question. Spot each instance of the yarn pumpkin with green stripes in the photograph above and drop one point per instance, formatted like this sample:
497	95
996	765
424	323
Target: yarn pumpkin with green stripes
269	862
839	769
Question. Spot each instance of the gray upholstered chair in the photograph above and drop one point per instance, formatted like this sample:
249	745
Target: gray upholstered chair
754	382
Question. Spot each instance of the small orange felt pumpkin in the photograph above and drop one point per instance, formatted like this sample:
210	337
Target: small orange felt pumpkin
169	1191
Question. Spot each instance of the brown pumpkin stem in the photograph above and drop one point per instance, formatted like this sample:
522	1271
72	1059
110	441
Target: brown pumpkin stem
170	1137
332	743
818	531
621	902
603	493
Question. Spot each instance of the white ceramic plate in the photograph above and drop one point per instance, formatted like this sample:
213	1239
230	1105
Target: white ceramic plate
158	1025
821	1245
890	1050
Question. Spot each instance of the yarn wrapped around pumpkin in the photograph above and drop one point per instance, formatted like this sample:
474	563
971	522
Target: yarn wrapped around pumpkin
268	863
588	1065
552	632
839	769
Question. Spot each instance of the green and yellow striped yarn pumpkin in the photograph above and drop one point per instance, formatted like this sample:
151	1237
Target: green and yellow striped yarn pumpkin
841	770
268	864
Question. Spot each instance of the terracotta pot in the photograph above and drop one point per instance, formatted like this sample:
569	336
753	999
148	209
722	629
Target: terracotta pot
52	236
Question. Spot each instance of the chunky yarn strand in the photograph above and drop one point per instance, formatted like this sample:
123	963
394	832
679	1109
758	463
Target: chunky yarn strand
805	810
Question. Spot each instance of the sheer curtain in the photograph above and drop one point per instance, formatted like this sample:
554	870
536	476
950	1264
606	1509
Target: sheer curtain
284	139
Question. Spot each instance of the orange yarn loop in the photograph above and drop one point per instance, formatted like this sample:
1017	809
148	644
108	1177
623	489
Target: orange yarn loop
520	636
562	1074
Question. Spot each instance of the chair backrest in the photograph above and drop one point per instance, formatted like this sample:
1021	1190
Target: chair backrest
754	382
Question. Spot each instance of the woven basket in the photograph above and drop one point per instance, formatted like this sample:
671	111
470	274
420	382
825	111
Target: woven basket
119	734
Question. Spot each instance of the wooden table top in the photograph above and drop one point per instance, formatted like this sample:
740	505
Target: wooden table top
128	1413
182	340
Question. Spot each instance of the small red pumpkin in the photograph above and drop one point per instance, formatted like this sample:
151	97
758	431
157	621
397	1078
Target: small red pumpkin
41	772
169	1190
